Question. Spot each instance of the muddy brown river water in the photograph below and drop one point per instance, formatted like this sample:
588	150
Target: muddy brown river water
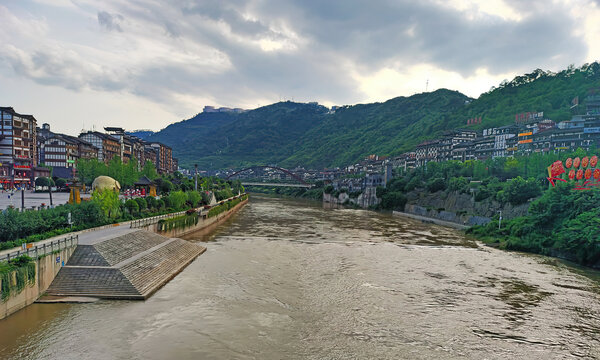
286	279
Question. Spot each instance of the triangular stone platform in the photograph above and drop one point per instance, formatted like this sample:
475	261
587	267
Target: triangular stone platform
130	266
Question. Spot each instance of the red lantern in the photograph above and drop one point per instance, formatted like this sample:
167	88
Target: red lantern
556	169
569	163
597	174
588	174
593	161
579	175
576	162
584	162
572	174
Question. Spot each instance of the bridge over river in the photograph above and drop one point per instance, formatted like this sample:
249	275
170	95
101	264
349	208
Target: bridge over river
247	183
299	181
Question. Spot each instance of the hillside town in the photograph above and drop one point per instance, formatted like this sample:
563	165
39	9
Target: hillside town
530	133
28	151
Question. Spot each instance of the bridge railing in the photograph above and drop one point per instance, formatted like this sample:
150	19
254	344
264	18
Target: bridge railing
45	248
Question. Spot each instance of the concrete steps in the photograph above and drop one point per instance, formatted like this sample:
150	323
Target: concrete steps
97	282
131	266
153	270
87	255
126	246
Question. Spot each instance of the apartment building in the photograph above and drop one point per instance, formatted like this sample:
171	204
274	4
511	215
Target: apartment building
18	150
107	145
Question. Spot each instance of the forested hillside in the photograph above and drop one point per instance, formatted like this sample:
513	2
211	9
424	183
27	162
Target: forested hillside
291	134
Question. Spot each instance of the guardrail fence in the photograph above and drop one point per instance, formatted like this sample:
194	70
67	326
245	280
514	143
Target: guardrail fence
152	220
44	248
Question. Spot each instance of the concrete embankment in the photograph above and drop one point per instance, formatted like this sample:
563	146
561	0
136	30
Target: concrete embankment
431	220
205	223
46	269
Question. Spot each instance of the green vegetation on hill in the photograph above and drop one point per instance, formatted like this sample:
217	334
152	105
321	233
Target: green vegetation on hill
563	223
538	91
382	128
560	222
266	135
291	134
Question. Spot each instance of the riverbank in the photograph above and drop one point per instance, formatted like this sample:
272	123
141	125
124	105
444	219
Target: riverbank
430	220
330	284
120	261
562	223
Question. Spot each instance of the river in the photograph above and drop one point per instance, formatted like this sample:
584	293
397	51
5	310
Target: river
287	279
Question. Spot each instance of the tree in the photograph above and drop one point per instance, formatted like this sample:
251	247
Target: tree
60	183
149	170
89	169
393	201
165	186
177	199
436	184
194	198
132	206
520	190
108	201
44	181
142	203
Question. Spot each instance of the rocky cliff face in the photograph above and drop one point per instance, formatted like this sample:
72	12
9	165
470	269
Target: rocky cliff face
365	200
460	207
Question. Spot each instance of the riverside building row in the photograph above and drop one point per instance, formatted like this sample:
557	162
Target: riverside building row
531	133
24	148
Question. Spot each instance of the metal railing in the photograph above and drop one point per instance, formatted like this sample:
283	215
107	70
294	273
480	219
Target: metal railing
44	248
152	220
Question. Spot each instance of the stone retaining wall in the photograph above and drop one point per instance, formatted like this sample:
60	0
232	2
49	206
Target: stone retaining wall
202	223
46	269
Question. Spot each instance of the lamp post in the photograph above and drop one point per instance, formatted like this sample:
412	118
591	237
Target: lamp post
50	189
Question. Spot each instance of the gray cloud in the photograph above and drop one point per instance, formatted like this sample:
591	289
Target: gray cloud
381	31
110	22
328	42
64	69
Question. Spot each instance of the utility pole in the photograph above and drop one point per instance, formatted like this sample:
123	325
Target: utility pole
22	198
196	176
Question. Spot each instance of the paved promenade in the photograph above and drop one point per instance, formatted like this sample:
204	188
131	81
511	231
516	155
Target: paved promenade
31	199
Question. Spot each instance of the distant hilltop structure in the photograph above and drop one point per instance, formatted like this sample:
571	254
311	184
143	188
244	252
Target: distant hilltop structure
212	109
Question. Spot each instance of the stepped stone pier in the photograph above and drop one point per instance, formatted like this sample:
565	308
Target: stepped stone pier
123	263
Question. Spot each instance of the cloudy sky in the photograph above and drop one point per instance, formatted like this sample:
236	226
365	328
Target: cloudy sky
147	63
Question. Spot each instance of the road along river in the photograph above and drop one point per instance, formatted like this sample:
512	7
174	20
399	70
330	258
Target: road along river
285	279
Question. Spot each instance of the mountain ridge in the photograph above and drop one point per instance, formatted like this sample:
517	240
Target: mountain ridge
291	134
